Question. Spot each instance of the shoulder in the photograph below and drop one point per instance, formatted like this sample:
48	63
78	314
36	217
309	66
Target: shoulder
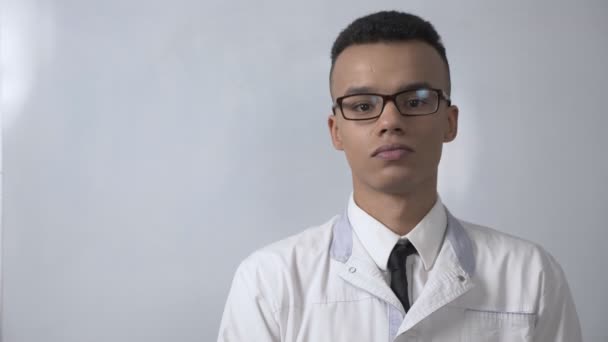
309	242
498	250
269	268
490	238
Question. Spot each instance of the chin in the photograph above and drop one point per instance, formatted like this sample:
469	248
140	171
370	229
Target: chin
391	180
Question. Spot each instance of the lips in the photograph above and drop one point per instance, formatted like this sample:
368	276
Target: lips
392	151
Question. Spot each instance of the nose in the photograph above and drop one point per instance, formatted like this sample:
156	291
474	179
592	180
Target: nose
391	120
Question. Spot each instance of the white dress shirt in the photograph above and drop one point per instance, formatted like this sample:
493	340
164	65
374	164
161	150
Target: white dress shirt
378	240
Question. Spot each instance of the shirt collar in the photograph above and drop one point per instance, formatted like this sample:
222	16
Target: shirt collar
378	240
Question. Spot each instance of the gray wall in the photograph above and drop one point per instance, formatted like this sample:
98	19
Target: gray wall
150	146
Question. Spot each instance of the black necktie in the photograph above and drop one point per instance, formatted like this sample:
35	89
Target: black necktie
396	265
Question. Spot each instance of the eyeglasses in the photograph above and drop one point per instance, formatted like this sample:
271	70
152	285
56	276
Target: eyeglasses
368	106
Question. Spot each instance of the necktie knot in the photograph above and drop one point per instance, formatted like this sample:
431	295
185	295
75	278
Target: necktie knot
398	255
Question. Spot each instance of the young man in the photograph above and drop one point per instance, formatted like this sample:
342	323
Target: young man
397	266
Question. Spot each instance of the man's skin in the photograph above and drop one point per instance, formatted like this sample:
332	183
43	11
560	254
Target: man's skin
398	193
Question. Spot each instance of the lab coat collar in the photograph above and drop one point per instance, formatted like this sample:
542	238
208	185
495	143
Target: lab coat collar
342	242
449	279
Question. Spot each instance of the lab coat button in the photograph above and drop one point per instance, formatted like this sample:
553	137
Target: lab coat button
461	278
352	270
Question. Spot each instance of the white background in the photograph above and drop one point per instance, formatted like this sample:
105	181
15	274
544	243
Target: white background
149	146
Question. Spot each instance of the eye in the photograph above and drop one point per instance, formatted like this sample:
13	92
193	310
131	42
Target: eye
362	107
414	103
360	104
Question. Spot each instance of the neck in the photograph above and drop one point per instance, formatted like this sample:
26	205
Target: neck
399	212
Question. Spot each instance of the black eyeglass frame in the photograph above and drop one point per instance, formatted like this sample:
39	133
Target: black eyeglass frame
441	94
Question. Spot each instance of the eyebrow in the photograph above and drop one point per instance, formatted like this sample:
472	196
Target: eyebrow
366	89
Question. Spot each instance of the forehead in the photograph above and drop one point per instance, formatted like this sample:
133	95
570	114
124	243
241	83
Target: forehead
388	67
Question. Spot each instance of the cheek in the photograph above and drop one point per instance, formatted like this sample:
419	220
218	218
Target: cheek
354	147
430	141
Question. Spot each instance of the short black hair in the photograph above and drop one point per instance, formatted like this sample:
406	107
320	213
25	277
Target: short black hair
388	26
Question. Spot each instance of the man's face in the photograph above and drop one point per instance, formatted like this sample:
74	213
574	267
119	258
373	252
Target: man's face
387	68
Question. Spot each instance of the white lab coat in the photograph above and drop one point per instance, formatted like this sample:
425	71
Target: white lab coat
321	285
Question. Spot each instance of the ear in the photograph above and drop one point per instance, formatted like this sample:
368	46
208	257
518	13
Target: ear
336	139
452	127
